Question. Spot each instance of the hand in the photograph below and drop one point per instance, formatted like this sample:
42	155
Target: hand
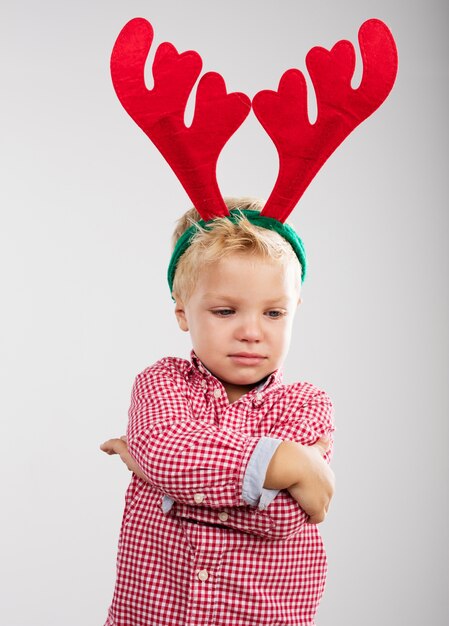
313	492
119	446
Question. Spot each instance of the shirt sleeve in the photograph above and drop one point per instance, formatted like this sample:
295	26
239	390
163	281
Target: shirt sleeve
253	491
189	459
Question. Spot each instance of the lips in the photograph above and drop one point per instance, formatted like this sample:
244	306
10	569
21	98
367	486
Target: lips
247	358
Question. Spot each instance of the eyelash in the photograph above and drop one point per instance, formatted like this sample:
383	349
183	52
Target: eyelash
219	313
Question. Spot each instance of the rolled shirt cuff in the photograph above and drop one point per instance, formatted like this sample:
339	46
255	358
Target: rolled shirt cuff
167	504
253	491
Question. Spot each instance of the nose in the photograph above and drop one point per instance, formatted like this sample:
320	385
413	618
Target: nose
249	329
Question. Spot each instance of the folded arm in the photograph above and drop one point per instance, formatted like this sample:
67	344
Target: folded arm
200	468
187	458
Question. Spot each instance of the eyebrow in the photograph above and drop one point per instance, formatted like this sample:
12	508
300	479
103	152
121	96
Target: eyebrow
228	298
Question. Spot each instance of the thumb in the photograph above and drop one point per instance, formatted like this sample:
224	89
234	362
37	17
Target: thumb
323	444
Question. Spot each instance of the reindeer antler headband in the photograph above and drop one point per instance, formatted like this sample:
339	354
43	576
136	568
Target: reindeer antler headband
192	152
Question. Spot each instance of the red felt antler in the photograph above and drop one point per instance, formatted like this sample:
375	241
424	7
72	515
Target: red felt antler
192	152
304	147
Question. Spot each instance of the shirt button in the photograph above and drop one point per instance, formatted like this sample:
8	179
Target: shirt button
199	497
223	516
217	393
203	574
204	383
258	396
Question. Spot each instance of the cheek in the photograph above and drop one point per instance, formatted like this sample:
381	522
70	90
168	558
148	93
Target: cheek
207	327
284	335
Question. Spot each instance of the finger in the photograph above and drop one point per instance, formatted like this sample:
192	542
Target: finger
112	446
107	445
326	442
316	518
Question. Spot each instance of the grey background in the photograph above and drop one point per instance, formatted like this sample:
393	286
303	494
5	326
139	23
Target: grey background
85	305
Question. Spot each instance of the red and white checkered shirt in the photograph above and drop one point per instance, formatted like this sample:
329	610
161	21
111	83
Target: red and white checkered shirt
192	551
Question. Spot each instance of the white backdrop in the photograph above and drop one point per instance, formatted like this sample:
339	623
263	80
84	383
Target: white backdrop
85	304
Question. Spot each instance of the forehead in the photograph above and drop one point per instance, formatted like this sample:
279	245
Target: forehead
247	277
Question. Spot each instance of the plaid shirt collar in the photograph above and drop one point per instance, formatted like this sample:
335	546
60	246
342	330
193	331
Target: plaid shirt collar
271	383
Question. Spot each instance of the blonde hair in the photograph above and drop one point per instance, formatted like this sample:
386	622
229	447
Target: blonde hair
223	238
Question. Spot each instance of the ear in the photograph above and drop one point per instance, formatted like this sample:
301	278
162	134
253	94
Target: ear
181	316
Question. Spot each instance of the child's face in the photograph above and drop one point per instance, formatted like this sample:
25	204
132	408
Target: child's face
241	304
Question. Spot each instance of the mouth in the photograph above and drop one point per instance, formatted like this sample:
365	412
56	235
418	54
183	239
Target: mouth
247	358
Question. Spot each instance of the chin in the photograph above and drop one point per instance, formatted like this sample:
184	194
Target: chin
248	379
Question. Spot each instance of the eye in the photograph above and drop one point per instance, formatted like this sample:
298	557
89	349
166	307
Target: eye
275	314
223	312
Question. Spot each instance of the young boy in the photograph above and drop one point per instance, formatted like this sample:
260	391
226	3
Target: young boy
230	473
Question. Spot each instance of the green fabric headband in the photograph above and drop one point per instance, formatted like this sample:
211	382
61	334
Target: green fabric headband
286	231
